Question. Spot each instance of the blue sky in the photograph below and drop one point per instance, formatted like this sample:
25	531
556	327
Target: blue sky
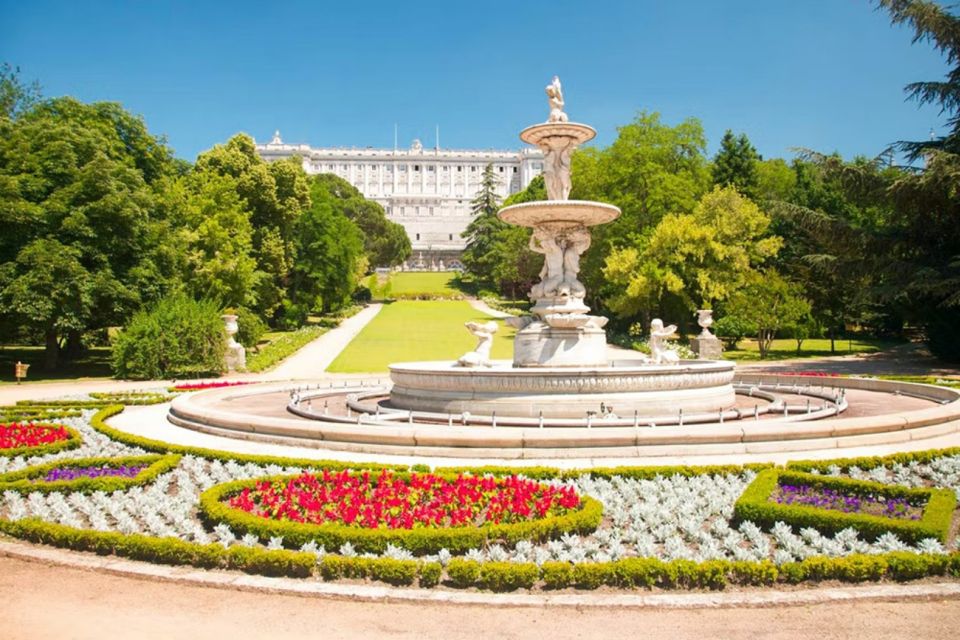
822	74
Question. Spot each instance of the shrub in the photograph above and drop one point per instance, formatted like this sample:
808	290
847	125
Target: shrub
732	329
753	573
430	573
395	572
251	327
463	573
634	573
282	347
590	575
508	576
179	337
557	575
861	567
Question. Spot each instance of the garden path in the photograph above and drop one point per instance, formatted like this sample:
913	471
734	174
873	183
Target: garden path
314	358
42	601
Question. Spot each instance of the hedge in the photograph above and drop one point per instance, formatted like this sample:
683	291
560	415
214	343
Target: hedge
872	462
419	541
755	506
629	573
98	423
30	414
72	442
278	350
26	480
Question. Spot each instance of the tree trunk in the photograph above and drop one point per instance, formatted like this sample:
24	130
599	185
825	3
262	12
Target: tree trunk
833	347
74	346
52	350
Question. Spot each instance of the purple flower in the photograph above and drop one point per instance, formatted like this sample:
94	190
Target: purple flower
94	471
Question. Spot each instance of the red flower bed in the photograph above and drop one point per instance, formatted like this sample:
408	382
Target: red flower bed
15	435
393	502
197	386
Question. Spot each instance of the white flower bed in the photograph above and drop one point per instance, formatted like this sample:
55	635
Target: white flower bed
667	517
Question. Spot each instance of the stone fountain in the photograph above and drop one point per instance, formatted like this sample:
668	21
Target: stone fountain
560	366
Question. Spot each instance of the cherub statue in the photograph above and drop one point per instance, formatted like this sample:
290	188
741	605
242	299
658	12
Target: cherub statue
551	276
480	356
658	335
555	98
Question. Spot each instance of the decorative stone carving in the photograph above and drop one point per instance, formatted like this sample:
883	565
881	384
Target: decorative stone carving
555	99
235	356
658	336
480	356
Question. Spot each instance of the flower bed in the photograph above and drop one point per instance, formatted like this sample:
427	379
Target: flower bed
89	474
419	512
19	438
764	503
397	502
837	500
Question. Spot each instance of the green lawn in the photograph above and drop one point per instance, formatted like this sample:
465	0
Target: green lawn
426	282
95	363
786	349
418	330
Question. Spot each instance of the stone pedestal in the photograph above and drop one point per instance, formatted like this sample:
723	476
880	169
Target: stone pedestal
707	347
235	356
540	345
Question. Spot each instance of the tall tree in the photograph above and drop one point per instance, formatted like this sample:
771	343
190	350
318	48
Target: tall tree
650	170
87	175
15	96
735	164
939	26
479	257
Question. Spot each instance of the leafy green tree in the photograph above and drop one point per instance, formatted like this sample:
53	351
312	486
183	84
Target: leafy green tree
479	257
385	242
652	169
736	163
329	249
776	180
88	176
769	303
695	259
15	96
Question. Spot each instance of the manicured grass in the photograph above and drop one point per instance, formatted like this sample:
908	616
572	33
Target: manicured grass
95	363
786	349
418	330
427	282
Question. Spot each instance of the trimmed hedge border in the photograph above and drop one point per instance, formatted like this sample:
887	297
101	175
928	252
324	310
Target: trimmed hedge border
72	442
21	414
24	482
97	422
755	506
282	348
419	541
872	462
629	573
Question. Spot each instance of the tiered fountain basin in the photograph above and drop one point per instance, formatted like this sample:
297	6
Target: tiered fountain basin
563	213
773	414
623	388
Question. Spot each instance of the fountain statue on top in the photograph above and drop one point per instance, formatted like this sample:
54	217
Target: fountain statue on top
560	332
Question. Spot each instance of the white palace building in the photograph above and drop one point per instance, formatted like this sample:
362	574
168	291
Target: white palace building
428	191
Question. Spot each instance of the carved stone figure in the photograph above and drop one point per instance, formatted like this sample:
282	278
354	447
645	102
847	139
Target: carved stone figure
235	357
545	241
480	356
555	98
659	354
556	166
576	241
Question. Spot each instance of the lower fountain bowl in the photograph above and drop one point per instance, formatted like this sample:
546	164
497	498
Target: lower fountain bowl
561	392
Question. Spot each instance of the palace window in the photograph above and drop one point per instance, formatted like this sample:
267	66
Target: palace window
431	168
418	236
446	168
459	169
450	236
514	169
402	167
473	169
500	169
416	167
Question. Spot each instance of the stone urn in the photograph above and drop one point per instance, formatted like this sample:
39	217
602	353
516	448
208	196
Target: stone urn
235	356
705	320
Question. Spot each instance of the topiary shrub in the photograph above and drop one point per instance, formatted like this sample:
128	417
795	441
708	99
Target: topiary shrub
177	338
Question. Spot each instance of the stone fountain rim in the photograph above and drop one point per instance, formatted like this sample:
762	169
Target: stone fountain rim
614	368
577	130
574	212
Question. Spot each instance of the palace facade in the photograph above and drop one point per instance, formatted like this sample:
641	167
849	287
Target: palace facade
428	191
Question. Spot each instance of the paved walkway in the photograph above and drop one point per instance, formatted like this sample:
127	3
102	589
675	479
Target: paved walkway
312	360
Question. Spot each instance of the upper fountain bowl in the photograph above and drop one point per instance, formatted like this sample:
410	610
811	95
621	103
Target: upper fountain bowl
562	213
579	132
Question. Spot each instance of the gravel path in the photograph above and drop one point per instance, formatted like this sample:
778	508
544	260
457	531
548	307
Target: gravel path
42	601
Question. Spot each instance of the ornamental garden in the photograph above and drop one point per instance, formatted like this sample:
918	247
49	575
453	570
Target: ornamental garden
73	481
